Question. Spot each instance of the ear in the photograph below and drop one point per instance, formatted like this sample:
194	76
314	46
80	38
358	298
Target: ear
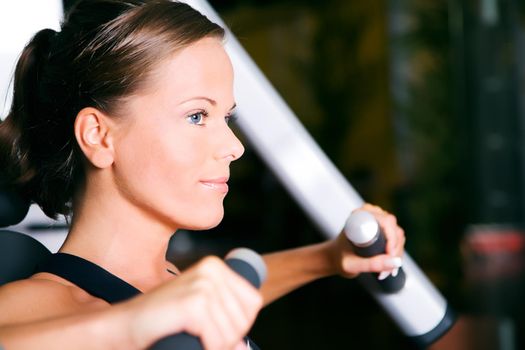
93	134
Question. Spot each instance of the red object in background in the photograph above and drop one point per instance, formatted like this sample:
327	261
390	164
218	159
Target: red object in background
493	252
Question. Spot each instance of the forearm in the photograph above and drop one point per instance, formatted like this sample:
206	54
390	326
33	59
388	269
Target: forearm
291	269
104	329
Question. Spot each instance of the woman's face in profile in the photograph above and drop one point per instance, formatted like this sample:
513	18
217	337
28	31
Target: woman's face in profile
174	147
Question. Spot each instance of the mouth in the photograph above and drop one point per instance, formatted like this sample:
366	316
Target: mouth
218	184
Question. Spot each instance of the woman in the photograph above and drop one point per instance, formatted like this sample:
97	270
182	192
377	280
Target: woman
120	121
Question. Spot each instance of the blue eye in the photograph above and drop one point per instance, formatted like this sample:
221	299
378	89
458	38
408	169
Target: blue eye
196	118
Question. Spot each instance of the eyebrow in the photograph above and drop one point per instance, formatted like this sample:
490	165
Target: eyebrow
211	101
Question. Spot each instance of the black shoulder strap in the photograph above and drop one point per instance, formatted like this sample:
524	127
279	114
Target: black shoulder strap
88	276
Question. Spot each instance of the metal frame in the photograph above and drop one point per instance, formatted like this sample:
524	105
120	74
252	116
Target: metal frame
315	183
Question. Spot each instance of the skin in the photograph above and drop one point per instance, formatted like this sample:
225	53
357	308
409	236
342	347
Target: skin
159	165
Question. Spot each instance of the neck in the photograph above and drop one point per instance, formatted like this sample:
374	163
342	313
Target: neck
126	240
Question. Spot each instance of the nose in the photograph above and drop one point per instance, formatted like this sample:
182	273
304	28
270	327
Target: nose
231	147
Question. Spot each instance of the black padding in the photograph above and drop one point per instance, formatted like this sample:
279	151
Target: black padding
13	207
19	255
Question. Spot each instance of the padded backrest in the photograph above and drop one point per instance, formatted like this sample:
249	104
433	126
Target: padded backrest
19	255
13	207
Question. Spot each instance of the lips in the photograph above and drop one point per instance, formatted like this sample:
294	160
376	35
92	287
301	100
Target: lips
219	184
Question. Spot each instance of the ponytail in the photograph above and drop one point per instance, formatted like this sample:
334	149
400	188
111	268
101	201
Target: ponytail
29	121
13	154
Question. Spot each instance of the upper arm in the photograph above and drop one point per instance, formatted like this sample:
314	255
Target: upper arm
36	299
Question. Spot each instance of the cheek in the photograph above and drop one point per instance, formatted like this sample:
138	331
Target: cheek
162	163
162	174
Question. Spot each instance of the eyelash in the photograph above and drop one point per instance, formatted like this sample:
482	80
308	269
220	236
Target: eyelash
204	114
230	118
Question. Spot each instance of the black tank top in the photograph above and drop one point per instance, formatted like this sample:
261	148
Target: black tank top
94	280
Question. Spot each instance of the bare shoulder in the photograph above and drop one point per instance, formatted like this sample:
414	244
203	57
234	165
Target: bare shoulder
43	296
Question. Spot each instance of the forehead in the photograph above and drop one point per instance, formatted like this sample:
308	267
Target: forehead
202	68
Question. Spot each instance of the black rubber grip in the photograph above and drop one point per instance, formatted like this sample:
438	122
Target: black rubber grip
390	284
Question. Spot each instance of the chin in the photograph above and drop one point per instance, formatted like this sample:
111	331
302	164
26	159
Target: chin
205	223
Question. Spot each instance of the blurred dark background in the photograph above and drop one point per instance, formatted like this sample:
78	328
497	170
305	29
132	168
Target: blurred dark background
420	105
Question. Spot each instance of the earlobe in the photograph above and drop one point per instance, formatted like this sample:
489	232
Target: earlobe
93	135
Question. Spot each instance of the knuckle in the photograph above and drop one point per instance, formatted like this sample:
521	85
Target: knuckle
211	264
370	207
211	260
258	300
203	287
391	219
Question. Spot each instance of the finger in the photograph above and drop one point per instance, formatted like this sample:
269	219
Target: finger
207	309
394	235
223	328
250	301
232	313
395	272
241	302
388	223
378	263
401	239
241	346
374	209
383	275
212	318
